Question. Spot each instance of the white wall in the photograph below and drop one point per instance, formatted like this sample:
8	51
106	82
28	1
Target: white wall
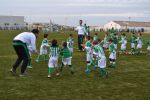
13	21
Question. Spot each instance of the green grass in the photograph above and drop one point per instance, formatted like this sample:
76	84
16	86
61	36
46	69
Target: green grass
129	81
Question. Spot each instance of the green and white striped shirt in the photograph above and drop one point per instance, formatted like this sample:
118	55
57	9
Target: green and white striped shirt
54	51
98	51
70	42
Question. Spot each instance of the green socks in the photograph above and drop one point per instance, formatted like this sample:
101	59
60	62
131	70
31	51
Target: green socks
50	70
103	72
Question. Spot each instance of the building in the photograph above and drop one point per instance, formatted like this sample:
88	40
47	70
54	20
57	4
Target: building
47	26
95	28
12	22
128	26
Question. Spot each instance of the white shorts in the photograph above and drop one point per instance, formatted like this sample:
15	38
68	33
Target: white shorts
123	46
132	45
89	57
102	62
139	46
148	48
112	55
43	50
53	62
105	45
66	61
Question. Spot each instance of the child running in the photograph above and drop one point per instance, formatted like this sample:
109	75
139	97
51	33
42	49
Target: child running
43	48
53	58
66	58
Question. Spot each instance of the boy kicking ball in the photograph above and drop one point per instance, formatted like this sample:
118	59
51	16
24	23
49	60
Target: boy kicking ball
66	58
53	60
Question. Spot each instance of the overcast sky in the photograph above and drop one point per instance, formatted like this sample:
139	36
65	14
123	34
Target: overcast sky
68	12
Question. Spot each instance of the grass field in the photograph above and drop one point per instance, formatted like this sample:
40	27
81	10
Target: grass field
129	81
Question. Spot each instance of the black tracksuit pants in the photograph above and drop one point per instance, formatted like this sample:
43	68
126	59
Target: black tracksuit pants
80	41
23	55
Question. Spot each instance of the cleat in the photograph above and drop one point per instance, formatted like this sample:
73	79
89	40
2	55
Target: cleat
49	76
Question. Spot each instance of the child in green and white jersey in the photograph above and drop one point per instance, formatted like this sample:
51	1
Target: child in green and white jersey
112	56
89	53
43	48
123	43
115	40
133	43
70	42
105	41
53	58
99	52
139	43
66	57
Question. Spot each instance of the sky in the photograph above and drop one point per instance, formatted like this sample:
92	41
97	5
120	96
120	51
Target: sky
68	12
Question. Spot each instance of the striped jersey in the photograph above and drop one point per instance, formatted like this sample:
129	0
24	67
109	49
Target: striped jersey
70	42
98	51
54	51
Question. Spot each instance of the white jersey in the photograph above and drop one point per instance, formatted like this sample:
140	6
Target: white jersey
81	30
29	38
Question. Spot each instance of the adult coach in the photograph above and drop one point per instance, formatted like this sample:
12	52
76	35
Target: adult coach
20	44
81	33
